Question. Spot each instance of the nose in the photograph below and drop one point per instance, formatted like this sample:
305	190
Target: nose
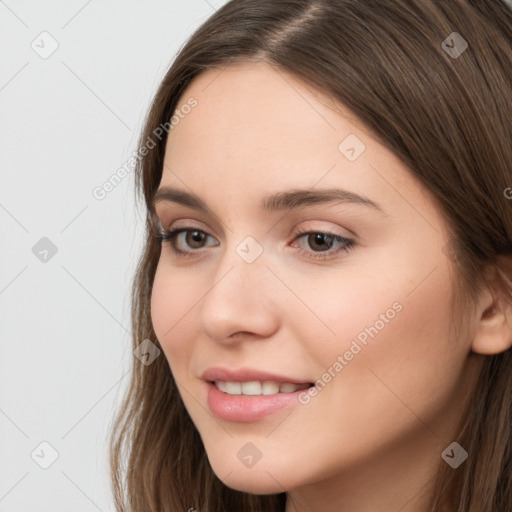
241	301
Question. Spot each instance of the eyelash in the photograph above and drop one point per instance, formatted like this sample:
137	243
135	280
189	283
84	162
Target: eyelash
172	233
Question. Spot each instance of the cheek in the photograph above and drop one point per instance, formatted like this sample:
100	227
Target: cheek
410	359
334	314
397	324
161	305
171	316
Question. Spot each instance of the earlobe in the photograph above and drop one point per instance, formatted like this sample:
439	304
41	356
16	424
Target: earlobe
493	333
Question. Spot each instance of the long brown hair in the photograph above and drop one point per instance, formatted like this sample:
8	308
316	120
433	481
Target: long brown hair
447	116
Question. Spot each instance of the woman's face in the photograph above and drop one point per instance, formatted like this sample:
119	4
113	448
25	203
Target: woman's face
365	317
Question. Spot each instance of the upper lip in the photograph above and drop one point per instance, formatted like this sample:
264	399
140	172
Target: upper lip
246	375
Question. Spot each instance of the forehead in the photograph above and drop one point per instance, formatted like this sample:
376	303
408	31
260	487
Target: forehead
258	107
257	128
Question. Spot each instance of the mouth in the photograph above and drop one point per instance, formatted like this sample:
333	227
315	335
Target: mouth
249	394
258	388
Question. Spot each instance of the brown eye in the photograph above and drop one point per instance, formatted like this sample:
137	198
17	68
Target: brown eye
322	241
321	244
194	239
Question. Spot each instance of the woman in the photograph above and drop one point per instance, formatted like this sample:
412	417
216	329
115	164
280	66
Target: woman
327	264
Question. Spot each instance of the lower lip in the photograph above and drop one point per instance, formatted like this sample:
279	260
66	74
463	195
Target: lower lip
247	408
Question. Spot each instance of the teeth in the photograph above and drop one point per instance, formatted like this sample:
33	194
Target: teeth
269	388
288	388
258	388
251	388
233	388
221	385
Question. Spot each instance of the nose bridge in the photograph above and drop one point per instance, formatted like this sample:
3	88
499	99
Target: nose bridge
243	260
236	300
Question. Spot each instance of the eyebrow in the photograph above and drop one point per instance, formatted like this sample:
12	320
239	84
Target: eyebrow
287	200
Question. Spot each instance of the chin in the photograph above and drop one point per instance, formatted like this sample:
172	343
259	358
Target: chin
252	481
261	478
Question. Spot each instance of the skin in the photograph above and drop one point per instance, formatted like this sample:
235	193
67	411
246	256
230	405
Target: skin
372	438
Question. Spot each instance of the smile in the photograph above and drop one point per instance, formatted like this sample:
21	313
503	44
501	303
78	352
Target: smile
258	387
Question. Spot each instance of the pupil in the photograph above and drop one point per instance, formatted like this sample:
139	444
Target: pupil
320	238
197	236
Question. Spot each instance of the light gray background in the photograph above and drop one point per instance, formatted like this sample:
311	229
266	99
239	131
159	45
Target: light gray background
67	123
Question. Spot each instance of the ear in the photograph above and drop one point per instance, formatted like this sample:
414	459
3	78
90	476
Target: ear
493	332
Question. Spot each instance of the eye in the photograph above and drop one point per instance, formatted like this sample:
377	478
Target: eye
194	238
324	240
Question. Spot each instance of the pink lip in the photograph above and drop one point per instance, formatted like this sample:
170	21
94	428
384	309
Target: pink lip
246	408
246	375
